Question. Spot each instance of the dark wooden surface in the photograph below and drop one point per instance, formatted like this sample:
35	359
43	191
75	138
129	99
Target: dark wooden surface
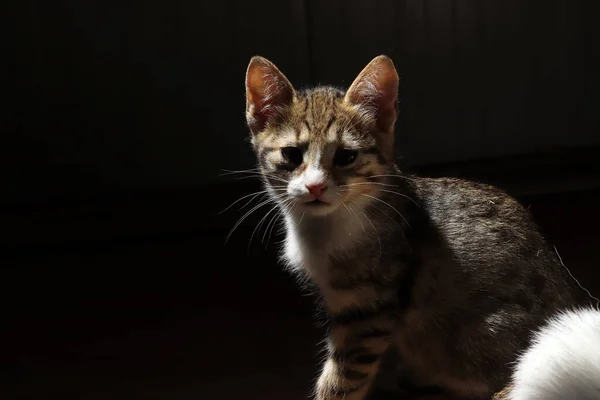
181	315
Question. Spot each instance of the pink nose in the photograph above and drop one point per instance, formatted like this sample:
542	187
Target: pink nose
316	189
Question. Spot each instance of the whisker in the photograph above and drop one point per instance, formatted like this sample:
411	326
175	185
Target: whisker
368	183
278	217
401	228
258	175
392	176
271	224
255	176
255	194
374	230
575	279
270	221
346	207
265	180
241	171
386	191
401	195
279	208
251	200
265	192
253	171
259	224
389	205
245	216
248	213
276	178
359	221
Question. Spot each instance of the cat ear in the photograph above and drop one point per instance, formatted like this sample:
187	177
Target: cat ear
268	91
375	90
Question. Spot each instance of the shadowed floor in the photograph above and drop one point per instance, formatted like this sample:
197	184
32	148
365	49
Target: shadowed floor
186	317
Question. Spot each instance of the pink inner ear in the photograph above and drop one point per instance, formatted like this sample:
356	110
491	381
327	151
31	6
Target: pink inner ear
267	91
376	89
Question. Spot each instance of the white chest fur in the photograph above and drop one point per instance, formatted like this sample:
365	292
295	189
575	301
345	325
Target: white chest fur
312	242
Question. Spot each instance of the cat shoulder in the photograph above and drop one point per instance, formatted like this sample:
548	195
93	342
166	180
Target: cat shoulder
466	200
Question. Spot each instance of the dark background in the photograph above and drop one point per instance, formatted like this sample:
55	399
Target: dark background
119	117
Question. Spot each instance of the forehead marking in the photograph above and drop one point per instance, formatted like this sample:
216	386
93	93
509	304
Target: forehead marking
350	140
331	133
287	137
304	133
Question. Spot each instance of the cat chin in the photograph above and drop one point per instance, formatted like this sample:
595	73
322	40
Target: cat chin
317	210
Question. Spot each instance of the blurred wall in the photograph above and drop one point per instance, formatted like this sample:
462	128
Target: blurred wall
111	95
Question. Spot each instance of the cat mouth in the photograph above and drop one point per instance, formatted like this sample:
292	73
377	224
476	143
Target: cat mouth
316	203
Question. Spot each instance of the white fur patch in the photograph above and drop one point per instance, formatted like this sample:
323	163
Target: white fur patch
337	233
563	361
350	140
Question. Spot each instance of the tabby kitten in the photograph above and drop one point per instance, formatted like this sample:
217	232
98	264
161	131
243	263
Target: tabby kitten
435	282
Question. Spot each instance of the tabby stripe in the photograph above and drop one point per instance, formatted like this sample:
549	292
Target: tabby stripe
329	123
357	314
307	126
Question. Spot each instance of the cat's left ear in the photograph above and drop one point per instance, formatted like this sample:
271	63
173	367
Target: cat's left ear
268	92
376	91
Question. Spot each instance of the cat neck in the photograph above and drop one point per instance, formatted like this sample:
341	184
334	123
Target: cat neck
311	242
325	234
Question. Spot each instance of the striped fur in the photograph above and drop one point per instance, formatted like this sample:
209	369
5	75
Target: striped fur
436	282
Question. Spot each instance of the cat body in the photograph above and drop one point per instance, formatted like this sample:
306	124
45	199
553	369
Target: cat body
425	282
459	307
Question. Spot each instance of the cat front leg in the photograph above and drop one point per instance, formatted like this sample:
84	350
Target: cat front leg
356	347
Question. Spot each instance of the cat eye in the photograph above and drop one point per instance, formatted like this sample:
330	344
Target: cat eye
292	155
344	157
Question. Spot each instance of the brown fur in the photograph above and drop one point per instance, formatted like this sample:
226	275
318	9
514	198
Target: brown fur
431	282
503	394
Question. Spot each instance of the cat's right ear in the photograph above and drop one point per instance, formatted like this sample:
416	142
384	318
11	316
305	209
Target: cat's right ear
268	92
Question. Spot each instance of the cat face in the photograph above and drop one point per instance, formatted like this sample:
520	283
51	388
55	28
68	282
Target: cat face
323	149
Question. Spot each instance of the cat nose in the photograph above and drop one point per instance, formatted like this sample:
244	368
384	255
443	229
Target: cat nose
316	189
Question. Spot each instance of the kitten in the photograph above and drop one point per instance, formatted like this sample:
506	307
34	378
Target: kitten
563	361
435	282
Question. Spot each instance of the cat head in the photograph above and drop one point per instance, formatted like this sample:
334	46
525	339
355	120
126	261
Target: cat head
323	148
